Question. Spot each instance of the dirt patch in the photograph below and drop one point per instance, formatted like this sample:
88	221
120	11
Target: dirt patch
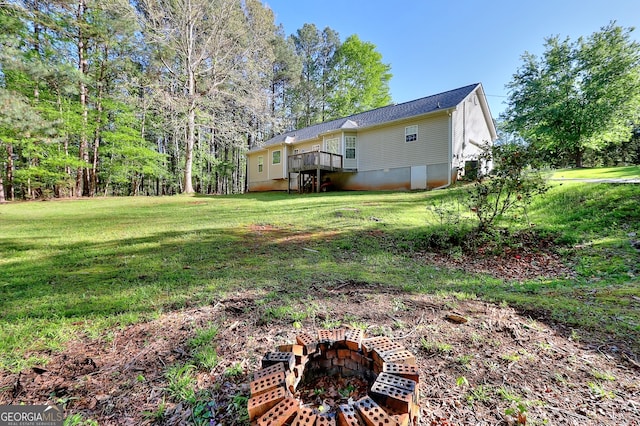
531	257
489	370
269	234
513	265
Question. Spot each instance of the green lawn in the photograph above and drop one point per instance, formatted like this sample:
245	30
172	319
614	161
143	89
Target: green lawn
70	268
628	172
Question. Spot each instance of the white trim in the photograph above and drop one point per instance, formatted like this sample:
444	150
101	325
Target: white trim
272	158
350	139
334	141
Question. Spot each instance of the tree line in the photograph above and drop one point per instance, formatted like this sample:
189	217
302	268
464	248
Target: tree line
157	97
118	97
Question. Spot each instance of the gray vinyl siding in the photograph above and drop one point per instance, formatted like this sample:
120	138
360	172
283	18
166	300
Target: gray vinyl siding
385	148
452	126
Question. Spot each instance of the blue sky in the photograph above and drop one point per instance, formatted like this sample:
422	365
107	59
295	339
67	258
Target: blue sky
438	45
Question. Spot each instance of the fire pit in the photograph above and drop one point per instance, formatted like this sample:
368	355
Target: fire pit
374	382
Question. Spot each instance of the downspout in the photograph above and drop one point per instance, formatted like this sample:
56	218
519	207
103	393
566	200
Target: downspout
285	159
285	165
450	149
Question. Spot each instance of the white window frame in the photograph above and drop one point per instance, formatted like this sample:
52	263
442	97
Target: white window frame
273	157
260	164
349	145
336	144
411	133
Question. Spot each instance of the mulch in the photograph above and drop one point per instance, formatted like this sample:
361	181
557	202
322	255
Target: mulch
494	367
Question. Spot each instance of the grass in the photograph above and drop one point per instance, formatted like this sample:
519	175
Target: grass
72	268
181	382
203	347
441	348
628	172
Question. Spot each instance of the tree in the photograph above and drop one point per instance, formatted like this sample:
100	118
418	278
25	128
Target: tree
19	124
578	95
113	46
360	81
316	49
215	55
615	154
69	58
129	157
286	72
90	89
196	41
31	75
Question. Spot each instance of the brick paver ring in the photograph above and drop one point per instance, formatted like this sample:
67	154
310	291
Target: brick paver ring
392	398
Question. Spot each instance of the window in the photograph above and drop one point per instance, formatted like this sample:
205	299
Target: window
275	157
332	145
260	164
350	147
411	133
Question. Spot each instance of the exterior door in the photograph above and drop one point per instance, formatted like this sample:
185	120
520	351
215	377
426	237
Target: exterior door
418	177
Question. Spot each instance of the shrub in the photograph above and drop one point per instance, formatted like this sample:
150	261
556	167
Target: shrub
510	186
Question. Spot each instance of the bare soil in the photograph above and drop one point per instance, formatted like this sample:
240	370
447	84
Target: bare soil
480	363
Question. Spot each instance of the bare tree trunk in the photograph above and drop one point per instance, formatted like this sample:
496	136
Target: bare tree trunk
68	169
176	159
239	172
134	184
191	127
226	174
82	178
1	185
191	115
188	164
578	157
93	183
11	193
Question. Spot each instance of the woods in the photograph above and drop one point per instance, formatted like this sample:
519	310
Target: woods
159	97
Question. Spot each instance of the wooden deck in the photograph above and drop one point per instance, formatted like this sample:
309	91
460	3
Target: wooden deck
311	166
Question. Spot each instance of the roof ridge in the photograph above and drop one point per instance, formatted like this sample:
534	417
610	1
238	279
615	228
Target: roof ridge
443	93
387	113
411	101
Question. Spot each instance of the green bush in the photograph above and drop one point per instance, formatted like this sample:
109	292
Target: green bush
509	187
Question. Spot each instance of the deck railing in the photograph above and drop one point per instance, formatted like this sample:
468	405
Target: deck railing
314	160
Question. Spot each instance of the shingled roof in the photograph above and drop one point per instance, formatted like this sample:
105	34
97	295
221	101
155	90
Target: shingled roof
422	106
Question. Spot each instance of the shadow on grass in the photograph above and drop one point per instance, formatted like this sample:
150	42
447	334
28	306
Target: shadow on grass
126	275
342	238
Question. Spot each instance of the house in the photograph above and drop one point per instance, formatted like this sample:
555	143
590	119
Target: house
421	144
